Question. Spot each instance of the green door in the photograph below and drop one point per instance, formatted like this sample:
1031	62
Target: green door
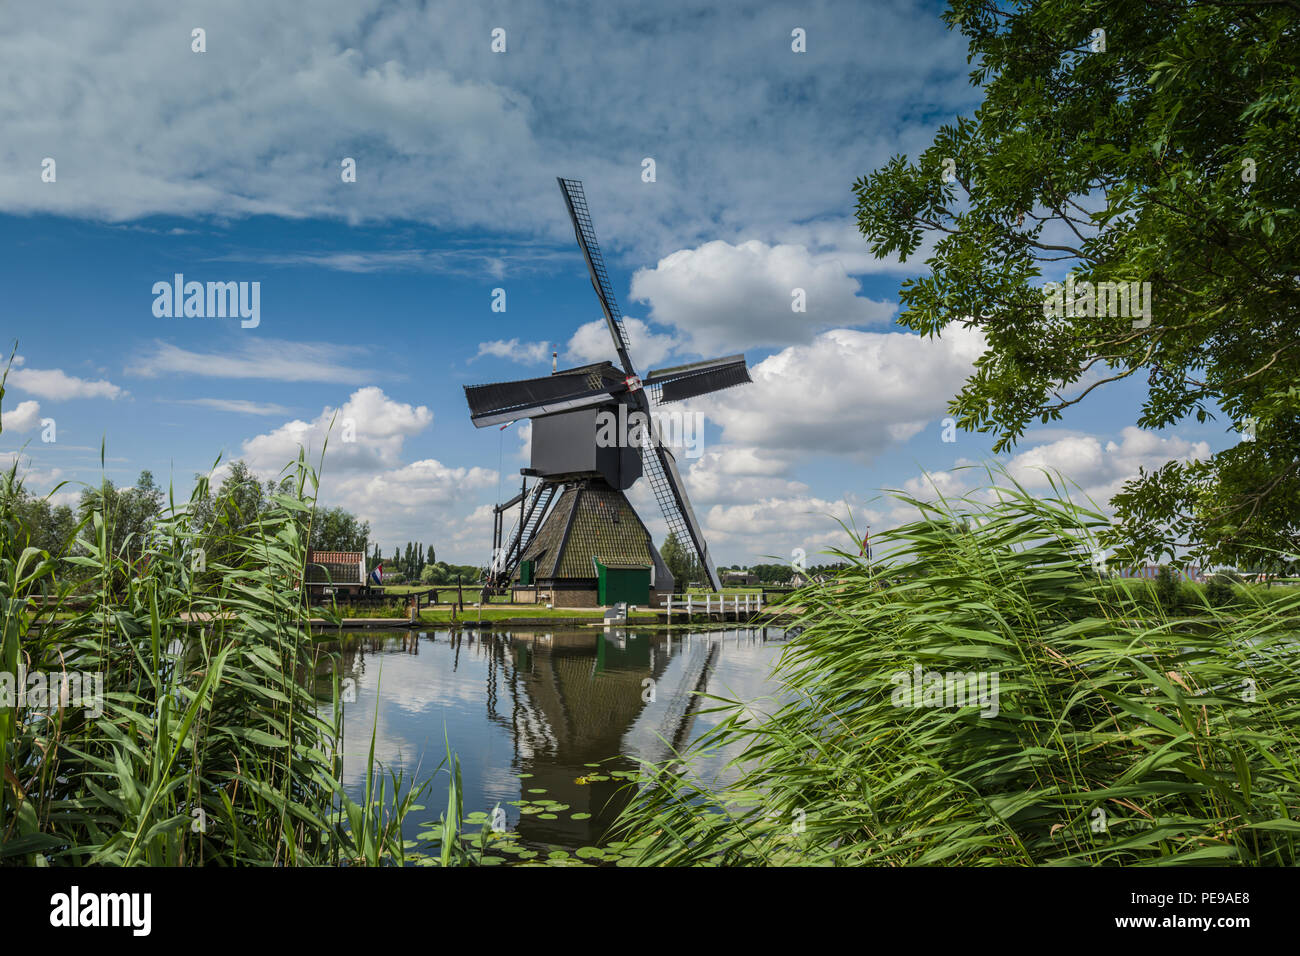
622	583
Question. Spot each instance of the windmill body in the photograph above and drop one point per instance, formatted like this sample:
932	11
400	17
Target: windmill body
576	536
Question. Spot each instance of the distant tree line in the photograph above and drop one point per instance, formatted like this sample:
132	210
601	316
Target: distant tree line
37	523
242	498
404	564
686	569
782	573
417	563
129	513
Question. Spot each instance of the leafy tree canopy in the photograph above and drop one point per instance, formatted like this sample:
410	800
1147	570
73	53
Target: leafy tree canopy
1164	151
335	529
29	521
681	561
128	513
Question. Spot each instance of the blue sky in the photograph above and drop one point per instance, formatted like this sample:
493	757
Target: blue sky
376	295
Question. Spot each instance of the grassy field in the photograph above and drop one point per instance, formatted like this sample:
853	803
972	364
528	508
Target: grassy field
445	592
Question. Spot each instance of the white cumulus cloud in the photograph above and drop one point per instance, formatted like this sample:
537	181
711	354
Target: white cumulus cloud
22	417
729	474
526	353
1099	468
771	529
847	392
368	432
56	384
421	484
593	343
260	123
728	298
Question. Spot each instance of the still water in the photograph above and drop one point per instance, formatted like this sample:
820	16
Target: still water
534	715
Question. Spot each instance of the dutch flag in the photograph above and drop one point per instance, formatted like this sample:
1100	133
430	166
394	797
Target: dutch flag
377	575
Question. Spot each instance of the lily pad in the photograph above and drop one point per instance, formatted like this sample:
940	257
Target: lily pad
547	816
582	816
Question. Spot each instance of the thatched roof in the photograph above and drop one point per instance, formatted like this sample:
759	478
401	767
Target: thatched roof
590	519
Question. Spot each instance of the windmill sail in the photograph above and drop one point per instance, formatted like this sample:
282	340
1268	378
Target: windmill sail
660	468
697	378
528	398
576	200
658	463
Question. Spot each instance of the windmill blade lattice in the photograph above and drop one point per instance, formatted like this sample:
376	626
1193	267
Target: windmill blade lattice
586	233
658	464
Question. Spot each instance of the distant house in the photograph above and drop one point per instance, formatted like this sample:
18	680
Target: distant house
336	573
739	579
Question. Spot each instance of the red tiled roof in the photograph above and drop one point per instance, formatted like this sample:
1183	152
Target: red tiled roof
335	567
335	557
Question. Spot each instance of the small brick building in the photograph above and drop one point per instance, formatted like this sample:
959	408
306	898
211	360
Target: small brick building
336	573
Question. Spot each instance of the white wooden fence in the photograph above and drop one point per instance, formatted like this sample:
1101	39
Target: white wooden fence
714	603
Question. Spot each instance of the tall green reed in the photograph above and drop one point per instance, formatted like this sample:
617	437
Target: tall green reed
211	748
1123	734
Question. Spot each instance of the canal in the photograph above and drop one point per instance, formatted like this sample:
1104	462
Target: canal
548	725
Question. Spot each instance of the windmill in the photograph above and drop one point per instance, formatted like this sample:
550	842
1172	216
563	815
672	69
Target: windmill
575	524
